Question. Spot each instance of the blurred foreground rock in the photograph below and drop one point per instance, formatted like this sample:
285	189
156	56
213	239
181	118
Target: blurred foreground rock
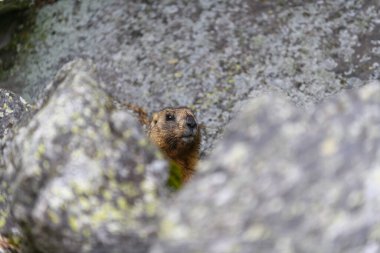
12	110
283	181
81	176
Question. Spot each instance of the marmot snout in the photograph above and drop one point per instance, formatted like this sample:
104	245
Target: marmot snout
176	132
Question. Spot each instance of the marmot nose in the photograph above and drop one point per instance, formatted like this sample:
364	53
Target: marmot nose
190	122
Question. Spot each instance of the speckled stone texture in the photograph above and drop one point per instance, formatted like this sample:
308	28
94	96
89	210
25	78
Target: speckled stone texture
282	180
82	176
12	108
207	54
13	111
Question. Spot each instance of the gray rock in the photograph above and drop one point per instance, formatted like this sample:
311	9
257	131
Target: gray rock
12	24
207	54
283	180
13	112
11	5
12	108
81	176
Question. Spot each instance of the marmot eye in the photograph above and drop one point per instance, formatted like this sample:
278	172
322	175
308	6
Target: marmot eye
169	117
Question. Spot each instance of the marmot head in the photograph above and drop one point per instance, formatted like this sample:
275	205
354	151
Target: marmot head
175	131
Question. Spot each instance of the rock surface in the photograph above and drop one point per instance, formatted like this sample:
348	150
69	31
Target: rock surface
12	5
285	181
211	56
81	176
207	54
12	108
13	22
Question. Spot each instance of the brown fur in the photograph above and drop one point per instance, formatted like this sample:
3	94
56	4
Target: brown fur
177	133
168	135
6	246
141	113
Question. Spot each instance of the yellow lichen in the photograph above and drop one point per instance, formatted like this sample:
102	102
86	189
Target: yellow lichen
85	203
256	233
106	130
130	190
54	218
2	220
151	209
173	61
106	212
143	142
75	129
127	134
41	149
178	74
73	223
107	195
172	230
329	147
2	198
140	168
122	203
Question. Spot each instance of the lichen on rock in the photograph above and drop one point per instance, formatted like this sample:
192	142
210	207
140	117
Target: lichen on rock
12	108
11	5
208	55
282	179
84	177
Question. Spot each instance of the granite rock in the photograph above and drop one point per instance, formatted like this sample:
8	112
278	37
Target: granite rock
13	112
208	55
12	108
81	176
282	180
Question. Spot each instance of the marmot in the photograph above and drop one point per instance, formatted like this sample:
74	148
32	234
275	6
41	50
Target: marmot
176	132
7	246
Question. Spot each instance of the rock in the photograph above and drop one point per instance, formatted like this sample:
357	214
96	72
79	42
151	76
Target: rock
12	5
12	108
207	54
13	111
81	176
286	180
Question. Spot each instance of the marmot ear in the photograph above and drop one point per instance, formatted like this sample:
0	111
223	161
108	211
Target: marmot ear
154	118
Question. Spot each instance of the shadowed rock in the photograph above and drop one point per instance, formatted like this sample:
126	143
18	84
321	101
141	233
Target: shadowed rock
12	5
81	176
285	181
